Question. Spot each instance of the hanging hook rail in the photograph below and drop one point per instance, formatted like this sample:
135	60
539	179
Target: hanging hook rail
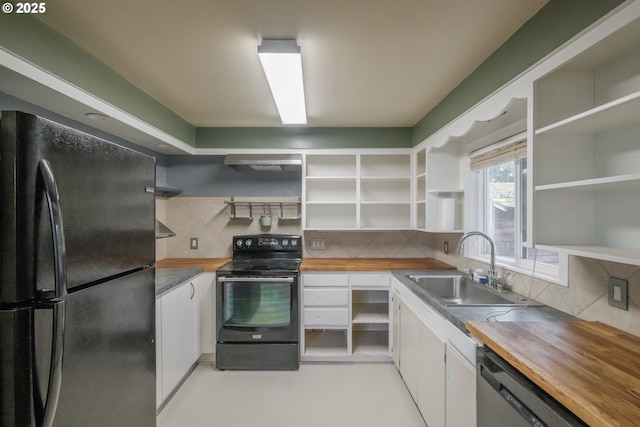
234	204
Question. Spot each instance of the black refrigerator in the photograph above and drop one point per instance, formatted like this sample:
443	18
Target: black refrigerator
77	292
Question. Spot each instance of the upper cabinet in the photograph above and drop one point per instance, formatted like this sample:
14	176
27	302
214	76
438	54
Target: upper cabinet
586	152
439	189
357	191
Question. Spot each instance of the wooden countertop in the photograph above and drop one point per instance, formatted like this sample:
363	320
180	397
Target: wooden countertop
208	265
372	264
591	368
320	264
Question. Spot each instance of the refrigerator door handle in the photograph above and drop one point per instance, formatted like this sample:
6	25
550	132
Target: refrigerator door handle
55	370
57	228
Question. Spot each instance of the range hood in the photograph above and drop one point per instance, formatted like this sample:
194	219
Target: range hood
264	162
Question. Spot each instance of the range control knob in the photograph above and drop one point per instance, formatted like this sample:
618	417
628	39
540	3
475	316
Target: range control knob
239	243
248	242
294	242
285	242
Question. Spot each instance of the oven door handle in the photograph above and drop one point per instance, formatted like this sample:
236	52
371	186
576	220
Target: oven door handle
256	279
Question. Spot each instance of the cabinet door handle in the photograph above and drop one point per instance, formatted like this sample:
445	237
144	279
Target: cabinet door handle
193	290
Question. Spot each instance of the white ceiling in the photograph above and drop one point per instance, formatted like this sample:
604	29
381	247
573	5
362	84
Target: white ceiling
366	62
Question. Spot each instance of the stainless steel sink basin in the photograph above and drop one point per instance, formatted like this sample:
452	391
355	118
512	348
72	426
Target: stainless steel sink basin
457	290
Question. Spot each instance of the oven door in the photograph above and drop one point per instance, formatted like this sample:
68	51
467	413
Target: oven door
257	309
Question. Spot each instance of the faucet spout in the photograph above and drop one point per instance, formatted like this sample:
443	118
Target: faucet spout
493	276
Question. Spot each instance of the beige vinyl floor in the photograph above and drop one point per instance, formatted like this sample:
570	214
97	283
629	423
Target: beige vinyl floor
327	395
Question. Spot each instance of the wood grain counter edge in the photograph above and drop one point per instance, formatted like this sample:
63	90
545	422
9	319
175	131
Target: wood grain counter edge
208	265
321	264
372	264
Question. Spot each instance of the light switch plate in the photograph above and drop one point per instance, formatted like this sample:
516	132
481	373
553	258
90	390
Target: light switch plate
618	293
193	243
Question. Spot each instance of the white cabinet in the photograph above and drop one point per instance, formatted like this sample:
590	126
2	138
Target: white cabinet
422	365
207	284
159	398
357	191
431	376
346	316
585	178
330	192
460	390
179	334
325	316
439	191
409	349
435	362
395	319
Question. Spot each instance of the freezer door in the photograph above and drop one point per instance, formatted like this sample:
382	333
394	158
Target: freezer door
109	362
107	207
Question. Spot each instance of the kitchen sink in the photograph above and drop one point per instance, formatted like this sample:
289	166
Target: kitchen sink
458	290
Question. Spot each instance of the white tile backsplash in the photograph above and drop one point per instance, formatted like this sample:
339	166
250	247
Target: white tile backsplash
208	219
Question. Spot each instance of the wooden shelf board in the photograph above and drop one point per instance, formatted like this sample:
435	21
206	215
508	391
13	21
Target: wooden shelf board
370	312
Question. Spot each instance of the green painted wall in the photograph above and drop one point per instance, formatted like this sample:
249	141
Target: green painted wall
29	38
554	25
303	137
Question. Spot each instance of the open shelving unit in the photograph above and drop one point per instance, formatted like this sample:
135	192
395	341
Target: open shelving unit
439	191
586	155
357	191
363	335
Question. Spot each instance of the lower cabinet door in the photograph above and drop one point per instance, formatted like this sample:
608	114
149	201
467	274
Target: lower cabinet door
461	391
431	377
178	336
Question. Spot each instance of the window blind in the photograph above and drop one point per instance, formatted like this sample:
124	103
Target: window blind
512	151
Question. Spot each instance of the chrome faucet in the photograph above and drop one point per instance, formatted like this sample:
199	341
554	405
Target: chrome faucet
492	278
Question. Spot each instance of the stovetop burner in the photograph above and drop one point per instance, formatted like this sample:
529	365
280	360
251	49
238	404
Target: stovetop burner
266	253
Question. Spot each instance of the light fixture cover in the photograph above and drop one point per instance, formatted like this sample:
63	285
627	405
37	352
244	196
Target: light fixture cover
282	64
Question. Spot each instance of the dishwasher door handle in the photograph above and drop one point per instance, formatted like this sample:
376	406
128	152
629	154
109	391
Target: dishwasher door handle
512	400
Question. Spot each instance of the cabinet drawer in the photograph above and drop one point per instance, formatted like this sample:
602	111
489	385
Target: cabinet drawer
315	297
369	280
326	317
325	280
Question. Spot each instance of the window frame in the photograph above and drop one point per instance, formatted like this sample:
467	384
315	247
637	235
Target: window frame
478	215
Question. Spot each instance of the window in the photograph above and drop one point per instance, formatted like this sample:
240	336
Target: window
500	175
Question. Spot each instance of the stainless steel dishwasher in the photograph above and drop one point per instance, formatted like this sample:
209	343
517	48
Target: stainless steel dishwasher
506	398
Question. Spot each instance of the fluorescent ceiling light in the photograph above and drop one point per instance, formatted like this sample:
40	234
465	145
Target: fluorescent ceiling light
282	64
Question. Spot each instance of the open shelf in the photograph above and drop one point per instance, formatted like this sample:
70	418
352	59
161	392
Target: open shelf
370	312
585	165
620	112
326	342
622	181
370	342
357	191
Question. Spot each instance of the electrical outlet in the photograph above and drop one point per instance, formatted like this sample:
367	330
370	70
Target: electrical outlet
618	293
318	244
193	243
